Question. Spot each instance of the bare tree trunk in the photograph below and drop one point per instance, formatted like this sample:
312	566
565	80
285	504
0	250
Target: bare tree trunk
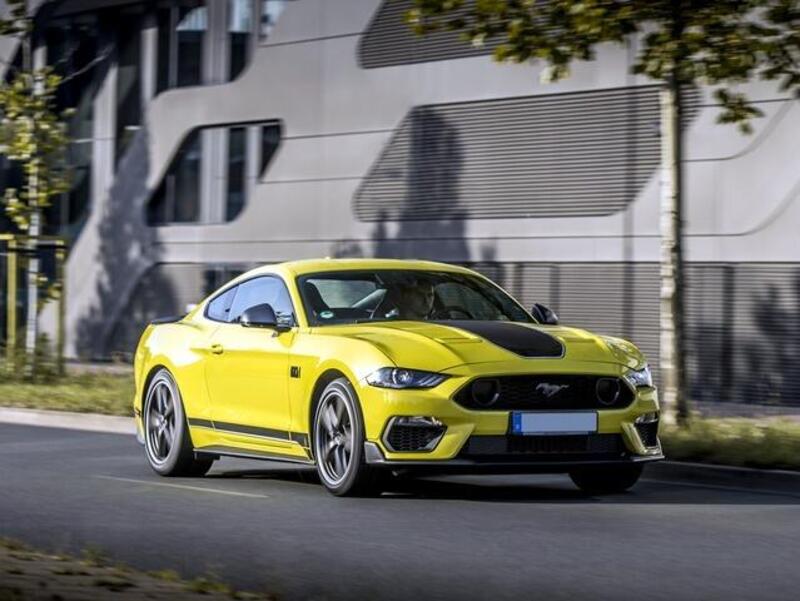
673	361
32	321
35	60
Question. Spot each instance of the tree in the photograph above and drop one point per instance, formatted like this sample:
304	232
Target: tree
34	135
719	43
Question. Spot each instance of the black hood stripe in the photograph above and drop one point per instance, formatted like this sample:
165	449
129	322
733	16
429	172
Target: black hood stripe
513	337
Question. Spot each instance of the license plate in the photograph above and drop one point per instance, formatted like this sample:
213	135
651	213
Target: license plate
546	424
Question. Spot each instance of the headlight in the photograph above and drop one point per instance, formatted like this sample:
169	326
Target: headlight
395	377
640	378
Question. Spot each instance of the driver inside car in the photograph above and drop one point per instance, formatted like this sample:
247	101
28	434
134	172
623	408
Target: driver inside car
414	301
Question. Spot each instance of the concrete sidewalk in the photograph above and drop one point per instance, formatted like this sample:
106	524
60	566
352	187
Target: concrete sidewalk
91	422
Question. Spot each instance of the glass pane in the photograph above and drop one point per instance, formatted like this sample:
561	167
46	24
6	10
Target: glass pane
349	297
181	35
237	169
259	291
240	24
219	308
74	54
190	32
187	181
177	199
270	140
129	101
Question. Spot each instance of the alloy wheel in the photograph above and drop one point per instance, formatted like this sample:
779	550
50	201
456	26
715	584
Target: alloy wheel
334	437
160	422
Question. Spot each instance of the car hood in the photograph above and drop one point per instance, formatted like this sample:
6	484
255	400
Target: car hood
439	346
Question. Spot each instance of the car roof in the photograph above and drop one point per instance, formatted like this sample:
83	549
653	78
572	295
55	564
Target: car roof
308	266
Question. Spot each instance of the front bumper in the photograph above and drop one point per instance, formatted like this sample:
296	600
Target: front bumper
464	427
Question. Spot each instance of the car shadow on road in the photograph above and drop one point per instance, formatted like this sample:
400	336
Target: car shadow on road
529	489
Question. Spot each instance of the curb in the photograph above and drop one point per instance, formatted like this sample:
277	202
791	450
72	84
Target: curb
90	422
778	481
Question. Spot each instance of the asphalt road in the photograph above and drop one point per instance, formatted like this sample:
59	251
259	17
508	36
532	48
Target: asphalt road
266	527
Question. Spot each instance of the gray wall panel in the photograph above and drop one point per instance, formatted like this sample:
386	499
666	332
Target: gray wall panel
578	154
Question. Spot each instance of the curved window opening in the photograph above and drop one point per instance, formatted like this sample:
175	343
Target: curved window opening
196	189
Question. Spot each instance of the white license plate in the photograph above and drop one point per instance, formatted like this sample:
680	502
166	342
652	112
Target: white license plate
544	424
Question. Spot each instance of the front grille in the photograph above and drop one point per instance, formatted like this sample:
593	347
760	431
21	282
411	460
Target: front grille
544	447
545	392
648	432
408	438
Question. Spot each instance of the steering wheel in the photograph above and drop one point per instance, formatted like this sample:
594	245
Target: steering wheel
448	310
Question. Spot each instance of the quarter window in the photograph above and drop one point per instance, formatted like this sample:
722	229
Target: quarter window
219	308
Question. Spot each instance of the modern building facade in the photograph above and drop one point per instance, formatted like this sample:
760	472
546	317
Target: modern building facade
214	135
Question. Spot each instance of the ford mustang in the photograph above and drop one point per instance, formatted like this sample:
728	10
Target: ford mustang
368	369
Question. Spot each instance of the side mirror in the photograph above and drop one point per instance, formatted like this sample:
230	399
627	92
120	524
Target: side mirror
544	315
259	316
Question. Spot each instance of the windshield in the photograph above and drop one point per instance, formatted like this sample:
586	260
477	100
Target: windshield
380	295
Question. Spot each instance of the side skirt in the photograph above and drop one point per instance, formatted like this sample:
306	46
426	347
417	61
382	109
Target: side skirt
224	451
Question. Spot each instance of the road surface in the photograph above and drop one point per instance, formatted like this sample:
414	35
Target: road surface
267	527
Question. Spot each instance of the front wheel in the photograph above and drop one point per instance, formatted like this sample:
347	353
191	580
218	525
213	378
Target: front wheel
338	443
606	479
167	444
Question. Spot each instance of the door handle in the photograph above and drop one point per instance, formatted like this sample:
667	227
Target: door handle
216	349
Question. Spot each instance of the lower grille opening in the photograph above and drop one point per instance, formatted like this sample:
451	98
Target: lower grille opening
413	437
648	432
548	448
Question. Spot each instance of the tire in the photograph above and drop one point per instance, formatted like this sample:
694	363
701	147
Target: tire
606	479
167	443
338	443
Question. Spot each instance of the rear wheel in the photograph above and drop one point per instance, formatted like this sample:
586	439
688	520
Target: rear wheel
606	479
338	443
168	446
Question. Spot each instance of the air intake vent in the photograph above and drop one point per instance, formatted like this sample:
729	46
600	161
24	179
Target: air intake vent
648	433
413	435
544	447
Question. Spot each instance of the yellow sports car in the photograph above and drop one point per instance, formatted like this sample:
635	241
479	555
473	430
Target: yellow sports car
368	368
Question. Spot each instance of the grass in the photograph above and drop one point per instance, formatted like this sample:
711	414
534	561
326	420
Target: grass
759	443
110	394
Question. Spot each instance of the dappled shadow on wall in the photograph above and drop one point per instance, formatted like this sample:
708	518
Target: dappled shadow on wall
743	333
127	248
768	370
416	182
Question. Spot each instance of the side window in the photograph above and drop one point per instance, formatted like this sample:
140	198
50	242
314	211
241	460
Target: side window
263	290
219	308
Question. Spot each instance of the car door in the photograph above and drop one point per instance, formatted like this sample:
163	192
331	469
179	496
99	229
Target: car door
247	369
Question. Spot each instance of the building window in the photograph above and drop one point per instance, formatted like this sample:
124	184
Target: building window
129	97
270	140
177	198
240	25
66	215
237	172
74	52
188	195
181	35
